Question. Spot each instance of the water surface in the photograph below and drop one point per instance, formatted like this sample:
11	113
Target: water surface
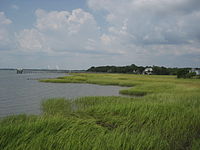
19	93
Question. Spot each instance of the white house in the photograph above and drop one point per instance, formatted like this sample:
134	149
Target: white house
148	71
197	71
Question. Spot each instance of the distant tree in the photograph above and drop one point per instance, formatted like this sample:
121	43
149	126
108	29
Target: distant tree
91	69
160	70
182	73
190	74
140	69
173	71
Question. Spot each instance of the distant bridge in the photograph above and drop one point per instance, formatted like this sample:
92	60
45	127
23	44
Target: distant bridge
25	71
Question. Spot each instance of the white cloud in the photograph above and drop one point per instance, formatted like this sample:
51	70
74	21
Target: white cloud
61	31
106	40
134	31
4	20
51	20
70	22
5	37
31	40
151	23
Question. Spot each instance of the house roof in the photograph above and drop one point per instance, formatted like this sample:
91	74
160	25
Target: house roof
148	69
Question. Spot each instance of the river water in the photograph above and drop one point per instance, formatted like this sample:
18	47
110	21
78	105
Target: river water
20	94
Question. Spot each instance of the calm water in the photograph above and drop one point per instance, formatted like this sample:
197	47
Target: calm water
19	94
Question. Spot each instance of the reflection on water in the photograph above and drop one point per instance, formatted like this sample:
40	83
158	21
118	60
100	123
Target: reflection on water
20	94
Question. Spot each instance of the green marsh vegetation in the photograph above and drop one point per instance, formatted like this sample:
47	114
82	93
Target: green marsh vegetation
162	114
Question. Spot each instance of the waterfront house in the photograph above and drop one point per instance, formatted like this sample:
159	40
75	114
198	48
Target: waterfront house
197	71
148	71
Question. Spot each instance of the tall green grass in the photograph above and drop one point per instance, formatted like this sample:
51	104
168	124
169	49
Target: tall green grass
166	118
140	84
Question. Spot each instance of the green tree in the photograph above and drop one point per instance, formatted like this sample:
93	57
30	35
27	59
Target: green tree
182	73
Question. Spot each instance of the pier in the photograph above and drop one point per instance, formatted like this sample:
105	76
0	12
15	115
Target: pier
28	71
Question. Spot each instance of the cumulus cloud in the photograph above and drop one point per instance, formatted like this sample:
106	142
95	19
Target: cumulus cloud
132	31
4	20
72	22
5	38
61	31
31	40
132	25
154	26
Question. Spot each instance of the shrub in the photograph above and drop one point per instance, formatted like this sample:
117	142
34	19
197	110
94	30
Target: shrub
182	73
190	74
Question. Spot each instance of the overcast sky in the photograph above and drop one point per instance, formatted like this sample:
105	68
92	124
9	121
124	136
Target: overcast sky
78	34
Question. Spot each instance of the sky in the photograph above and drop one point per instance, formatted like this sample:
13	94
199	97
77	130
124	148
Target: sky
78	34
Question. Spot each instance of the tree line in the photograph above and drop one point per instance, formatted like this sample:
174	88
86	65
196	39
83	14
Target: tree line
134	69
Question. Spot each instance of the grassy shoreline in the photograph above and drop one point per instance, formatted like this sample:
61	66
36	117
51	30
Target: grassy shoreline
137	85
166	117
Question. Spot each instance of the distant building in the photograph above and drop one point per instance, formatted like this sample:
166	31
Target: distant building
148	71
197	71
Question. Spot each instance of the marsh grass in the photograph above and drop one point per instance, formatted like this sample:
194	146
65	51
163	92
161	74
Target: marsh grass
166	118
